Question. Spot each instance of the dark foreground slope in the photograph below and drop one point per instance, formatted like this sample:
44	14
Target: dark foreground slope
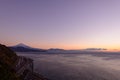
13	67
7	64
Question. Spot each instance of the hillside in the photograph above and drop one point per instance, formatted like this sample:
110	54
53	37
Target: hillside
13	67
7	64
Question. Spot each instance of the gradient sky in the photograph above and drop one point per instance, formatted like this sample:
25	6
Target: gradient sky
68	24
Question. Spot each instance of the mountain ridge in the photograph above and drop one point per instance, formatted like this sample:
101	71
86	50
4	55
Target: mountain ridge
25	48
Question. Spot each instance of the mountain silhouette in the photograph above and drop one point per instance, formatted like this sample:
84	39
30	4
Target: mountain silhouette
25	48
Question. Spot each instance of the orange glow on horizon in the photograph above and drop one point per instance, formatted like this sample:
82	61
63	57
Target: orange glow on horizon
71	47
68	46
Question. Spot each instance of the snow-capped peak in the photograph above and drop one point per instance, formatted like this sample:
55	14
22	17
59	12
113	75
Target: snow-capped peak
22	45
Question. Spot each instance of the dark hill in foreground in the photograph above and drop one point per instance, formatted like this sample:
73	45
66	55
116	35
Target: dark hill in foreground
7	64
13	67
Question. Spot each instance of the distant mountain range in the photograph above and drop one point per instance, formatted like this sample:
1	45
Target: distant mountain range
24	48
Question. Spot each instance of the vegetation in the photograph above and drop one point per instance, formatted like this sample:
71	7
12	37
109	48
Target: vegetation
7	64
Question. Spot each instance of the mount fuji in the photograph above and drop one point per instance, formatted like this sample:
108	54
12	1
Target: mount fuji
24	48
22	45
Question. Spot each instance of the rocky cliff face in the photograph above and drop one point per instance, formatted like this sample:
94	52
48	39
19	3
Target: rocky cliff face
7	64
13	67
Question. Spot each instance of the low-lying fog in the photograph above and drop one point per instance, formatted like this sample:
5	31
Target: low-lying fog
92	66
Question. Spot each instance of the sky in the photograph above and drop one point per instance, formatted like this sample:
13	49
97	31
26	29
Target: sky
67	24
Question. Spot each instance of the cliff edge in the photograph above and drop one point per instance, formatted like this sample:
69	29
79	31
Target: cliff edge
13	67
